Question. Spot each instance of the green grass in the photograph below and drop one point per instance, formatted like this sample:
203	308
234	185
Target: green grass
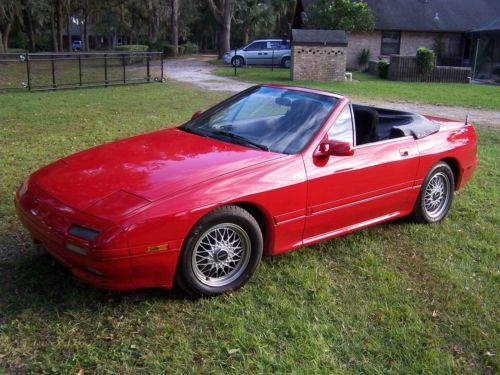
367	86
396	298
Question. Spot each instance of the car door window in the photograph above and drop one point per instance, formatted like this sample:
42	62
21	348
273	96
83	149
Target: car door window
342	129
257	46
274	45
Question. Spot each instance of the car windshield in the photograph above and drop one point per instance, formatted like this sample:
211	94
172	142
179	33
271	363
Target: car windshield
270	118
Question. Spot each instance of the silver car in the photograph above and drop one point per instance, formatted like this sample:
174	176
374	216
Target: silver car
261	52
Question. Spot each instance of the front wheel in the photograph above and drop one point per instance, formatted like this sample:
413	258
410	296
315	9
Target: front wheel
221	252
237	61
285	63
436	195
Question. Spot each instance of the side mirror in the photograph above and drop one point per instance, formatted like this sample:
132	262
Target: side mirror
196	114
330	147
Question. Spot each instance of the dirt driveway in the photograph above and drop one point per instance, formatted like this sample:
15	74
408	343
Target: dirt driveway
199	72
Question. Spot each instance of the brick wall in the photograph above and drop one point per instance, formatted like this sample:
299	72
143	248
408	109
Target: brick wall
318	63
360	41
410	42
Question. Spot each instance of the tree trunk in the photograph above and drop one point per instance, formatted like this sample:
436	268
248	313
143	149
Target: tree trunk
1	43
70	32
60	25
174	35
223	18
28	19
53	30
6	34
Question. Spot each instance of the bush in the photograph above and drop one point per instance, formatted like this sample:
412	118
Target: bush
130	49
383	69
425	61
190	48
363	58
168	49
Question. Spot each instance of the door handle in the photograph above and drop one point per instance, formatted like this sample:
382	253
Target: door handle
404	151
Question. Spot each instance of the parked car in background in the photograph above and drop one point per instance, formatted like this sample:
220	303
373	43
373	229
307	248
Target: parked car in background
76	45
261	52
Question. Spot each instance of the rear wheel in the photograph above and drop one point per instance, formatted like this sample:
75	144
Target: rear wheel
285	62
436	195
221	252
237	61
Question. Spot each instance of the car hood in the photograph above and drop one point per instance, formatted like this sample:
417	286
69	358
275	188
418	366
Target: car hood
125	175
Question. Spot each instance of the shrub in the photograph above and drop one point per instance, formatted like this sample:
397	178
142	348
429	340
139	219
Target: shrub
190	48
425	61
363	58
168	49
383	69
130	49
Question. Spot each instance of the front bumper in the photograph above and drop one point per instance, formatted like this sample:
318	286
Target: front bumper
48	221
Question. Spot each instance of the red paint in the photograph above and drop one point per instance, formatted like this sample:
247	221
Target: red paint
150	190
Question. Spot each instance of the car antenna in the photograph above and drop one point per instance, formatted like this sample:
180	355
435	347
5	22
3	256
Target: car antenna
467	119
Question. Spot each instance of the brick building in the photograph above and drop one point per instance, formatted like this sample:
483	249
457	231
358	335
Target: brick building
318	55
402	26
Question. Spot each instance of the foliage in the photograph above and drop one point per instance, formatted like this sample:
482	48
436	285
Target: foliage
369	87
132	48
425	61
189	48
363	58
37	22
345	15
395	298
383	69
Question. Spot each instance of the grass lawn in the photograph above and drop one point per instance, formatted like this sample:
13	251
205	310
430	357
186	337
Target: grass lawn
396	298
368	86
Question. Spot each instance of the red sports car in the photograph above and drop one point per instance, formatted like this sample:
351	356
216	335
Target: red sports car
270	169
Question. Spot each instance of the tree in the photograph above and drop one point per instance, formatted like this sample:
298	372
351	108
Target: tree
174	34
345	15
222	17
253	16
10	11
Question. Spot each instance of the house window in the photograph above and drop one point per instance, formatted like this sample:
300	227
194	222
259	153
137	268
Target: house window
391	41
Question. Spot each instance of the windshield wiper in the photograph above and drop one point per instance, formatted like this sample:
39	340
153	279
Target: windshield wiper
239	138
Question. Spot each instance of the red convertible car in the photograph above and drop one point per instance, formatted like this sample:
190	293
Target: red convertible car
270	169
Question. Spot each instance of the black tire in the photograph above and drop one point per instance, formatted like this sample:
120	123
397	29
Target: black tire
203	257
237	61
436	195
285	62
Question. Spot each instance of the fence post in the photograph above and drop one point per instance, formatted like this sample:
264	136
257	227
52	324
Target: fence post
52	62
80	68
28	72
147	66
272	62
161	62
234	59
123	65
105	70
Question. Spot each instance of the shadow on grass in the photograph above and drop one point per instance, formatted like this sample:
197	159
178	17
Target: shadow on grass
33	281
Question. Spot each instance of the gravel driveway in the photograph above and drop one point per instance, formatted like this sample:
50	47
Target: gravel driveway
199	72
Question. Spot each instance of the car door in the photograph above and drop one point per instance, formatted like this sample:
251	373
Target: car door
374	184
277	51
257	53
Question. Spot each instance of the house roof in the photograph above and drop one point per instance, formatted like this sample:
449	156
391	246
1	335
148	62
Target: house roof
489	26
328	37
428	15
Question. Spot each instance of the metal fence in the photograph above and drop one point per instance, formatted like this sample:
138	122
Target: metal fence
52	71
